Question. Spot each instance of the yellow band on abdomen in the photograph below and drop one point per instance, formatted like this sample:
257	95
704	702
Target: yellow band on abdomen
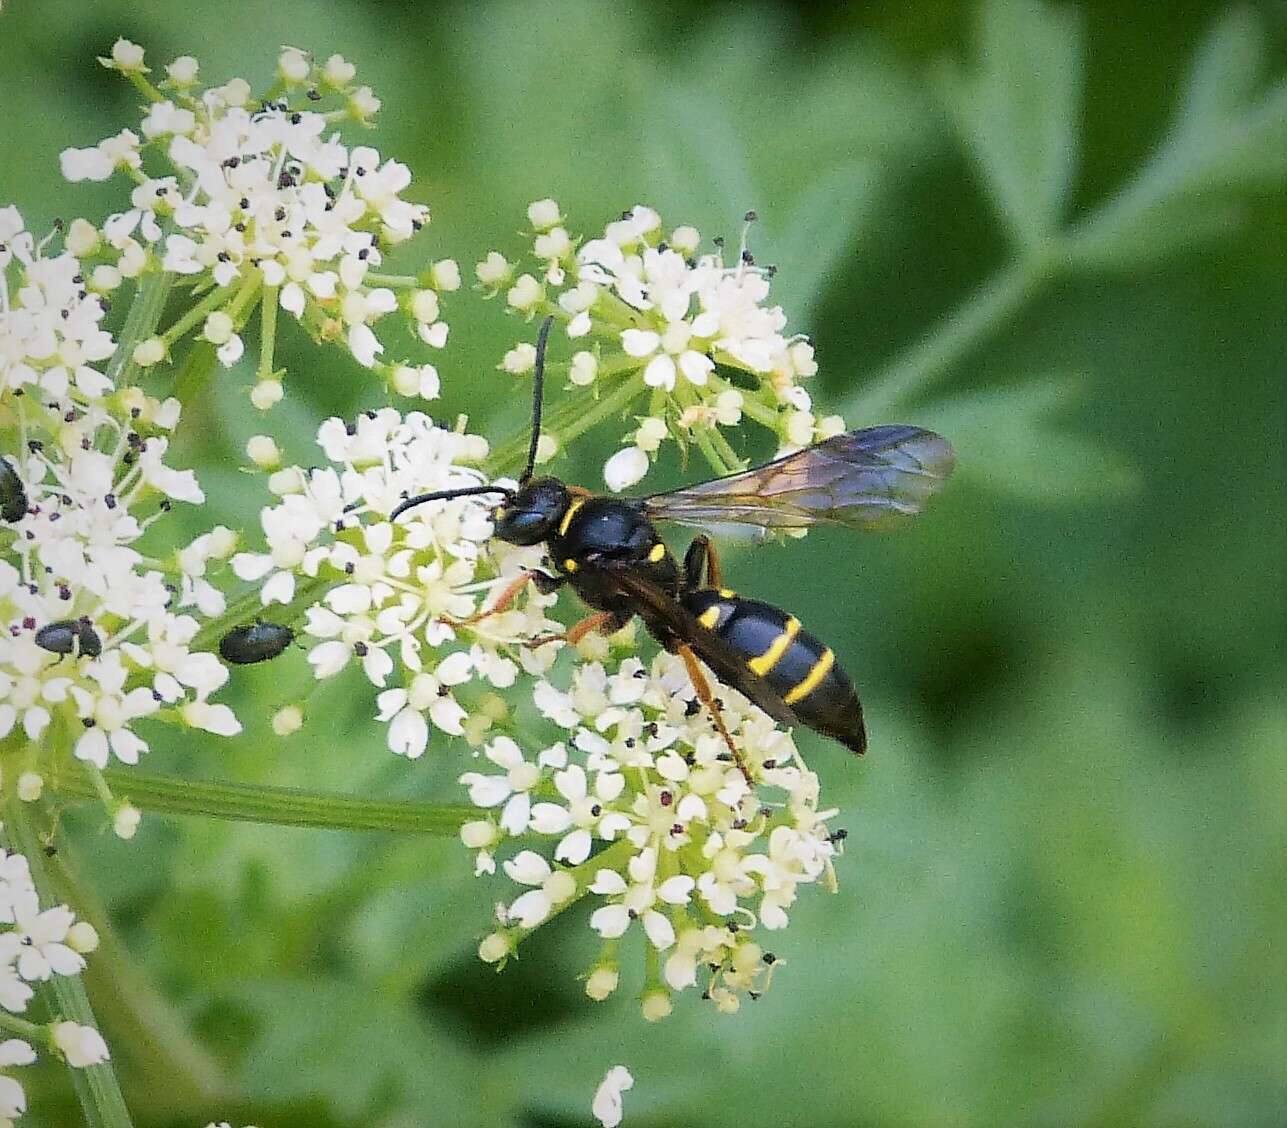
770	658
813	678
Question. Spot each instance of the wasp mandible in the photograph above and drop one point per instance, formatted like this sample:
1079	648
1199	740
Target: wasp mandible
608	550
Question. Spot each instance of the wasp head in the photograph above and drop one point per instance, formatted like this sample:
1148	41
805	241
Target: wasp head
531	514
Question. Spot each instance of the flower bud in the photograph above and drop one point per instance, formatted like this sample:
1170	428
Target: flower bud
293	65
584	368
81	238
104	279
30	786
520	360
80	1045
493	271
547	447
263	452
126	56
625	468
424	306
219	328
338	71
685	239
287	720
543	214
125	822
82	937
266	394
525	294
183	71
444	275
494	948
650	434
656	1006
149	352
601	982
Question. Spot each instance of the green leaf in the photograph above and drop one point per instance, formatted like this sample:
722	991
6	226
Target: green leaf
1007	439
697	164
1018	112
816	236
1225	142
364	1051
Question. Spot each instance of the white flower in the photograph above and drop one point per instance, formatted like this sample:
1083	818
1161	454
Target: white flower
81	1045
685	840
271	187
687	314
625	468
608	1106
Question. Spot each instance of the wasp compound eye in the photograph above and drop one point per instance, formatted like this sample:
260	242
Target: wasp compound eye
68	636
259	642
13	497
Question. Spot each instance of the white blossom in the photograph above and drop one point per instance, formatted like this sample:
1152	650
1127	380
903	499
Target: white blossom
683	840
607	1105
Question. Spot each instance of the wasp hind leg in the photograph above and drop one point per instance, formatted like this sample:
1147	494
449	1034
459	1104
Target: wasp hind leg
545	584
707	698
700	558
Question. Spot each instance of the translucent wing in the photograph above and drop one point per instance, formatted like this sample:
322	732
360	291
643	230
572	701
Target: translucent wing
871	479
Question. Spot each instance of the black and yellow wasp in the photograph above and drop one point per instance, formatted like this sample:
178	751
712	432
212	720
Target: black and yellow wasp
608	551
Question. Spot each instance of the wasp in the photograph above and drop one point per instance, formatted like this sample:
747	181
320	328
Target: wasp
608	551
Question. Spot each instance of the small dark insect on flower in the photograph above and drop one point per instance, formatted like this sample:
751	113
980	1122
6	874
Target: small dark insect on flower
258	642
13	495
70	636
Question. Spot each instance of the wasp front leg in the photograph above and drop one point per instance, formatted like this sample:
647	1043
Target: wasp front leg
700	558
588	625
545	584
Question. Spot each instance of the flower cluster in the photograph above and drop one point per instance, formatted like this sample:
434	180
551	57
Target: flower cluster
93	636
394	596
51	338
668	326
257	200
36	945
686	849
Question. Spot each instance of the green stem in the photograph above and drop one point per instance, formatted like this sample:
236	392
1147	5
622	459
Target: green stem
140	323
179	1072
207	305
279	806
954	335
510	455
613	858
96	1086
21	1028
268	333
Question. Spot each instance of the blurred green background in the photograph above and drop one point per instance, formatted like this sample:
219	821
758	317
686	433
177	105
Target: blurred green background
1057	234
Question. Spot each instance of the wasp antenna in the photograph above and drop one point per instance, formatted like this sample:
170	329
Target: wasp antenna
447	495
538	389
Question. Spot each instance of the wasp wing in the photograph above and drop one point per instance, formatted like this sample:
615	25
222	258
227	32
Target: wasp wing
658	608
870	479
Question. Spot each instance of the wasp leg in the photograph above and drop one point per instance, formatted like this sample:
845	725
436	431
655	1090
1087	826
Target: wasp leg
700	558
707	698
545	584
576	633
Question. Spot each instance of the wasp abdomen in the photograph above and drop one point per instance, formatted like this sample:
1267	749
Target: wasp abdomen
777	651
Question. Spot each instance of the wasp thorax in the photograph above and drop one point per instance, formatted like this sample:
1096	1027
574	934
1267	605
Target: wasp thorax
531	515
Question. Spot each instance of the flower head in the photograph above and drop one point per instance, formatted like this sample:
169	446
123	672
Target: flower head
258	201
674	322
687	851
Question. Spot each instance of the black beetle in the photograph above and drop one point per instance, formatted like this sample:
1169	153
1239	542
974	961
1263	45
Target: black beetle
256	643
70	635
13	495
